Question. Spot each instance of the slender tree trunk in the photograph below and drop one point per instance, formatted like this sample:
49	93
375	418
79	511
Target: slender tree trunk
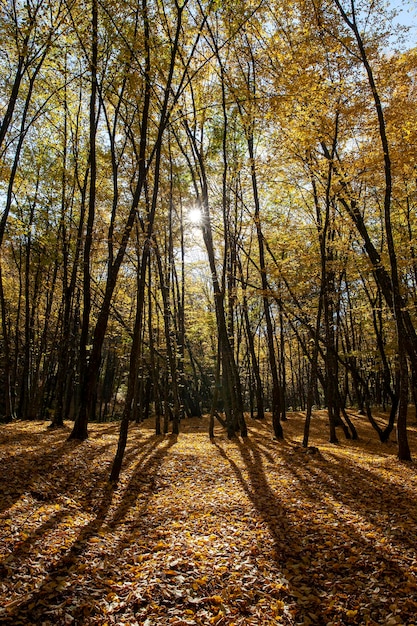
170	349
283	373
149	236
30	297
6	352
155	384
277	400
406	335
213	408
133	366
87	394
253	361
313	373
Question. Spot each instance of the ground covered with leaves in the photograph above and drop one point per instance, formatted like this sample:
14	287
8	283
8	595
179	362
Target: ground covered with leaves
236	532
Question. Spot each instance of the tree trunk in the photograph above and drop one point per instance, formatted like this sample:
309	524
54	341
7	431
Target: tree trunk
277	400
406	335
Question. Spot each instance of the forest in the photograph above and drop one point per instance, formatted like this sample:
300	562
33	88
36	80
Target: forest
208	234
207	207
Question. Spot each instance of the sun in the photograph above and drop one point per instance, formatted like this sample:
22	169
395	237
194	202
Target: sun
194	215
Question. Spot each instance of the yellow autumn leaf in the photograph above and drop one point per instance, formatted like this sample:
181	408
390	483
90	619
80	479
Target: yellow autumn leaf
216	599
278	606
170	572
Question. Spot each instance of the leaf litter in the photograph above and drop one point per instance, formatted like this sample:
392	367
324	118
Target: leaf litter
241	532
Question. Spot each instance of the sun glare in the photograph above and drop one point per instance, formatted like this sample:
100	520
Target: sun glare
194	215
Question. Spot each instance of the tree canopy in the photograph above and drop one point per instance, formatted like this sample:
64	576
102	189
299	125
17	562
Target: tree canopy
207	207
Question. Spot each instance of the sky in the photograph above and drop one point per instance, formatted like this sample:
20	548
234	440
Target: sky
407	16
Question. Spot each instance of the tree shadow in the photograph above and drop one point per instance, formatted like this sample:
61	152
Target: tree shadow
144	474
44	475
22	470
88	550
316	561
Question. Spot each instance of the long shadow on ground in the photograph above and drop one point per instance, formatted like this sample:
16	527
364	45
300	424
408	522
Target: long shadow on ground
332	552
87	550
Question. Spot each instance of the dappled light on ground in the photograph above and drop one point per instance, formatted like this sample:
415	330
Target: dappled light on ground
248	531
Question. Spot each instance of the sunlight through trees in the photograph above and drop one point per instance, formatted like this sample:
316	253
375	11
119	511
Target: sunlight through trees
207	208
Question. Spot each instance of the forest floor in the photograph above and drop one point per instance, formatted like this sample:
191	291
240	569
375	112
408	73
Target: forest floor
230	532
